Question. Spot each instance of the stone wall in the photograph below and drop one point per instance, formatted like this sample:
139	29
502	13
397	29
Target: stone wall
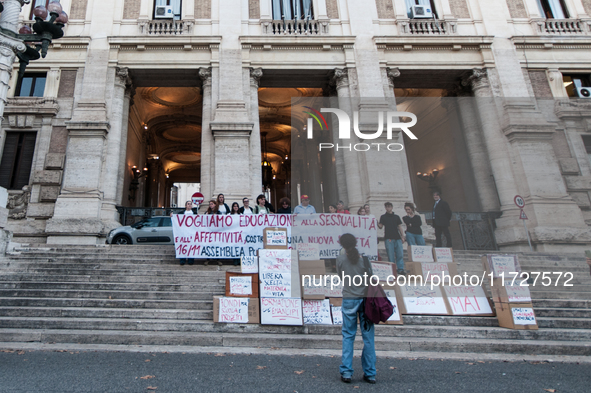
459	8
517	8
332	9
131	9
78	9
203	8
385	9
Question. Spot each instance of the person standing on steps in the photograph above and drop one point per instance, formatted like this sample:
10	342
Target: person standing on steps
304	207
441	219
352	265
246	209
414	233
222	206
188	212
393	236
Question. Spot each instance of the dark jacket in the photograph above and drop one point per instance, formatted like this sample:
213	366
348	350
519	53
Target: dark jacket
281	210
241	210
442	214
227	209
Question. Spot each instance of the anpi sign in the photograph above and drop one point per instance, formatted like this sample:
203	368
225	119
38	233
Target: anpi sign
345	129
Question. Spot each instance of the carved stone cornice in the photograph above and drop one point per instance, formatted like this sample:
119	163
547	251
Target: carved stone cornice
255	76
392	73
476	79
339	78
205	76
32	105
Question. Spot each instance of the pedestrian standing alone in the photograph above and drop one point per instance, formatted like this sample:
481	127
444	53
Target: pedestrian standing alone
351	264
414	233
441	218
222	206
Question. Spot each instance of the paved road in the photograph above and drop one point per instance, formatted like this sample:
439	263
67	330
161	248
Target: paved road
53	371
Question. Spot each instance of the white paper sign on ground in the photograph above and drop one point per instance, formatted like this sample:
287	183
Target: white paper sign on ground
249	264
333	291
316	312
431	269
281	311
276	238
517	293
443	254
233	310
503	264
382	270
421	299
392	297
275	261
337	315
421	253
308	251
523	316
275	284
241	285
467	300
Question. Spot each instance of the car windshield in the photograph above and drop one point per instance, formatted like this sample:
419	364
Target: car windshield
148	222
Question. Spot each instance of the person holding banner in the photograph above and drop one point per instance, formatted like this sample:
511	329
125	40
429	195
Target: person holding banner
245	209
260	208
332	209
341	208
285	206
351	267
222	206
361	211
188	212
304	207
235	208
414	233
213	208
394	236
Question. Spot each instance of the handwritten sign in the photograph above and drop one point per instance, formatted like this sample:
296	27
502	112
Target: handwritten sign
421	253
233	310
275	238
308	251
240	285
443	254
333	291
382	270
275	284
337	315
316	312
281	311
391	294
421	299
275	261
517	293
314	287
503	264
249	264
467	300
523	316
440	269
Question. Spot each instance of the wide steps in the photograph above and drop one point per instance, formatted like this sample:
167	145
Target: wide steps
107	303
153	295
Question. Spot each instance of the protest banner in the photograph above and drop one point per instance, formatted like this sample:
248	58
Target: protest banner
308	251
235	310
233	236
505	265
316	312
421	299
281	311
467	300
249	264
420	254
443	254
242	285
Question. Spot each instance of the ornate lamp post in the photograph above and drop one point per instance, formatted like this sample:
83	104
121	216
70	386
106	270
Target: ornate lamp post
14	44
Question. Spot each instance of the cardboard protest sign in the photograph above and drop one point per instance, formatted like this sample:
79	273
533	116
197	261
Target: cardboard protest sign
274	260
308	251
235	310
420	254
316	312
224	236
421	299
326	229
336	310
311	273
281	311
443	254
249	264
430	269
505	265
383	270
504	292
333	291
393	294
275	284
467	300
242	285
518	316
275	238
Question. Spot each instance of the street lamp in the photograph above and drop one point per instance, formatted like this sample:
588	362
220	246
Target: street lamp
12	44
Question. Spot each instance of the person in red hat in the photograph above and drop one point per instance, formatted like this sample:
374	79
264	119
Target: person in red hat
304	207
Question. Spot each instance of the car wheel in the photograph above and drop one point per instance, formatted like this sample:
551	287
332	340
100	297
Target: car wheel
122	240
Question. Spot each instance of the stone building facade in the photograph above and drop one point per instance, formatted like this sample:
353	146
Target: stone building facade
132	103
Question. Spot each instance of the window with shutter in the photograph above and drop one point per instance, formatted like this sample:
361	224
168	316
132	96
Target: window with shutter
17	159
31	85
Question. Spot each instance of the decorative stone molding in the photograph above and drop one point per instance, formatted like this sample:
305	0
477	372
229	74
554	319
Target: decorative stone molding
428	27
255	76
205	75
17	204
339	78
392	73
477	79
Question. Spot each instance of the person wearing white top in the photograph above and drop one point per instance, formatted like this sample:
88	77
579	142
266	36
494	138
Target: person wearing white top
188	212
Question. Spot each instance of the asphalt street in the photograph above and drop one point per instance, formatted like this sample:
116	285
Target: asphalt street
73	371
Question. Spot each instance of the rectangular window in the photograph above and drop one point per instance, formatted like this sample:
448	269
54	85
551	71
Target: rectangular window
175	6
32	85
425	3
553	9
574	82
17	159
292	9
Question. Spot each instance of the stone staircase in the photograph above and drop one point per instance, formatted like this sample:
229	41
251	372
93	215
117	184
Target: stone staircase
139	295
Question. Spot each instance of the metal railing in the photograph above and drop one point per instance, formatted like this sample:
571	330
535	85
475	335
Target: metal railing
428	27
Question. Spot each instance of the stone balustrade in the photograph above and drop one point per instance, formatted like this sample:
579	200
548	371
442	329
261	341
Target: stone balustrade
562	27
428	27
295	27
165	27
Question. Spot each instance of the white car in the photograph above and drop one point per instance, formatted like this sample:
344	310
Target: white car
154	230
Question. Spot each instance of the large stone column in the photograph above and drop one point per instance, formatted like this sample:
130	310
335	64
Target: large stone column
340	81
256	180
206	137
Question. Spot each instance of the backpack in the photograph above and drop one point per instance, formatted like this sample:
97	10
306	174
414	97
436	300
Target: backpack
378	307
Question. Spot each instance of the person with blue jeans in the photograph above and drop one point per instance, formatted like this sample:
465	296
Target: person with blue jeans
414	233
393	236
350	265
